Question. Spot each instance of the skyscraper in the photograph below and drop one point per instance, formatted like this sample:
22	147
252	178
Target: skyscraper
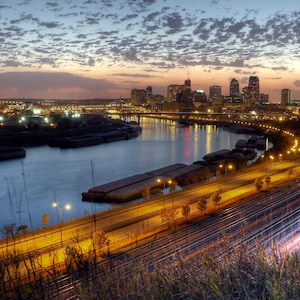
214	91
253	90
285	96
234	89
187	83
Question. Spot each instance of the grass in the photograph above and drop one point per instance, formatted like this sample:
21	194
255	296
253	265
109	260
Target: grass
241	275
270	274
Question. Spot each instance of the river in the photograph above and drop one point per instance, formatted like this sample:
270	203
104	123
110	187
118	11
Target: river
29	186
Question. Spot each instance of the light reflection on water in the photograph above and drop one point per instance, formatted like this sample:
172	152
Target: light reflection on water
47	173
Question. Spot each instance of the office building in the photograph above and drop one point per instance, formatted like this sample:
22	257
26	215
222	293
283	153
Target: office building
138	96
215	91
285	96
253	90
234	89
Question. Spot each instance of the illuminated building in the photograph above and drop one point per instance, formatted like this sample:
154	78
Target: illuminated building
253	90
174	92
234	89
138	96
285	96
215	91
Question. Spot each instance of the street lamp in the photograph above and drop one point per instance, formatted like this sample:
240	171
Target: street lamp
67	207
267	159
164	182
225	171
225	168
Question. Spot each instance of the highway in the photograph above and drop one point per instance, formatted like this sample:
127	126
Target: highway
258	222
270	213
60	235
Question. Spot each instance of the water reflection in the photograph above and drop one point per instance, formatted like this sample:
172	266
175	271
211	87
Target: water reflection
68	172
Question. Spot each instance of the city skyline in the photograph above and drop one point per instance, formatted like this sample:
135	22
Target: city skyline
104	49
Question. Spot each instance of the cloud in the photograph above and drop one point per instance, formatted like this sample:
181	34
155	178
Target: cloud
296	83
133	75
173	23
130	54
159	36
144	33
49	25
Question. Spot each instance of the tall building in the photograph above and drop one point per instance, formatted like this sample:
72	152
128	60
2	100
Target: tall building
234	89
187	83
264	99
181	94
174	92
253	90
199	95
138	96
214	91
285	96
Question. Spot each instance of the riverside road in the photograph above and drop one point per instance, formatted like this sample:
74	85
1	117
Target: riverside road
127	224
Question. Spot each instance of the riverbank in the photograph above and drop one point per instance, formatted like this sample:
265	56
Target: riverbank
92	130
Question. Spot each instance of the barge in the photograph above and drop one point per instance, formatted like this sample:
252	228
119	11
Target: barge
7	153
124	133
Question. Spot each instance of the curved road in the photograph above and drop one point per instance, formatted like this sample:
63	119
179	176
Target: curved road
125	225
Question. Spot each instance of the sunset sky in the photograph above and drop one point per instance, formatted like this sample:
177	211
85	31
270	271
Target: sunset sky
70	49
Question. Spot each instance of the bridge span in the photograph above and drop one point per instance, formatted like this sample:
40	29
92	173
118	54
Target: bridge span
258	121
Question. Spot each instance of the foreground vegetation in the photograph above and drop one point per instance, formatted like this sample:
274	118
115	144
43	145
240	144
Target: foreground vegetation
270	275
241	275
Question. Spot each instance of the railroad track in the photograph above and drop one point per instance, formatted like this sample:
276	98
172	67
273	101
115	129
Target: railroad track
202	236
260	220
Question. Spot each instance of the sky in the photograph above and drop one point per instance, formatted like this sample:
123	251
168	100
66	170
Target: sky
70	49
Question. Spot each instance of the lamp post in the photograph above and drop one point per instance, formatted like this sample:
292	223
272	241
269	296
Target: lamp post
159	180
267	159
67	207
225	171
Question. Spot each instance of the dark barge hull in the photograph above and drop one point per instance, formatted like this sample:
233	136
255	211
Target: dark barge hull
7	153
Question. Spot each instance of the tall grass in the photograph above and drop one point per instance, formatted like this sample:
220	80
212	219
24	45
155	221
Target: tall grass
243	274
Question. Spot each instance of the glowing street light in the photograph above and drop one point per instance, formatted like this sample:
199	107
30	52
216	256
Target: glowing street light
228	167
267	160
67	207
164	182
57	205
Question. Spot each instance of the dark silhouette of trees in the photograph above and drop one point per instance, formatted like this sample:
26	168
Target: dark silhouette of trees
267	180
258	183
202	204
100	240
9	230
215	198
168	215
185	210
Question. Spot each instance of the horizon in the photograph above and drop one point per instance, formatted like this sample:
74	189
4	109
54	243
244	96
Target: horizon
104	49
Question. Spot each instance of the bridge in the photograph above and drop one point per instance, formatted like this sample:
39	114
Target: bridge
262	121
